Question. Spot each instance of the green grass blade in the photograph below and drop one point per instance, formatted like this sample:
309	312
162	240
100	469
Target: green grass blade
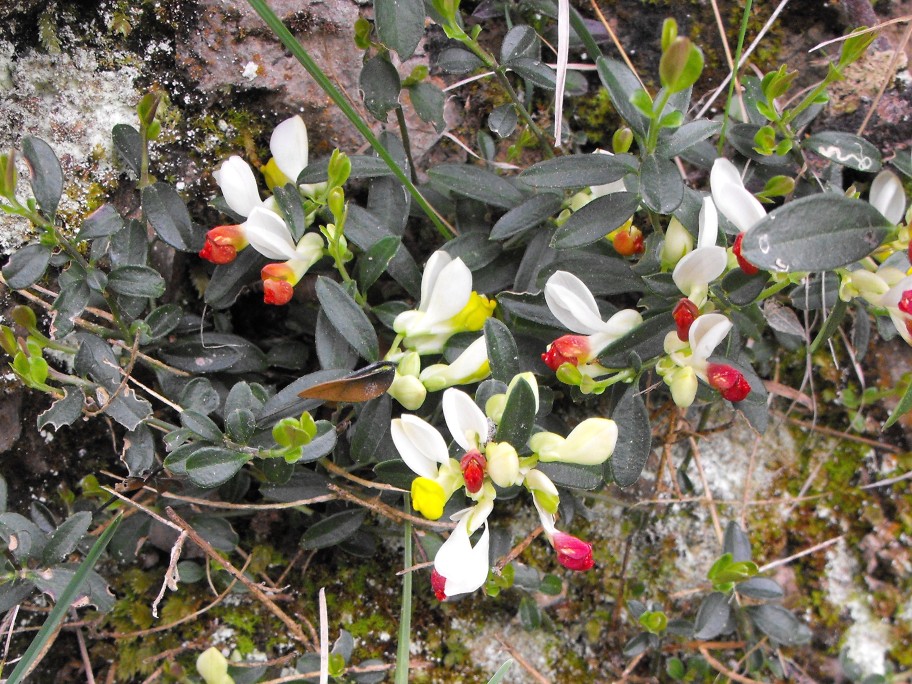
301	54
405	617
56	616
501	672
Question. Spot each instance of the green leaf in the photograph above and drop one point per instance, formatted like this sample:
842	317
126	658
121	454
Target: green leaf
455	60
661	185
595	220
477	183
212	352
529	614
736	543
71	302
520	41
371	441
228	280
129	246
762	588
102	222
136	281
530	214
373	263
817	233
128	145
428	101
26	266
400	25
139	450
647	340
687	136
201	425
64	411
502	351
169	217
380	85
209	467
905	403
128	409
712	616
779	624
621	84
46	174
634	438
535	71
502	120
347	318
332	530
66	537
681	65
603	275
579	171
322	444
475	250
847	149
518	416
831	325
573	475
501	672
362	166
162	320
291	207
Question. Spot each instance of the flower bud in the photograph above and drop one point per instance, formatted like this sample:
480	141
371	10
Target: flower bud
336	203
732	385
745	265
572	553
408	390
628	240
683	385
503	463
589	443
572	349
678	242
622	140
684	314
213	667
222	244
473	470
543	489
277	288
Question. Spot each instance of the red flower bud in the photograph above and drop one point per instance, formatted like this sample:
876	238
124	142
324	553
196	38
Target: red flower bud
905	302
438	584
730	383
684	313
745	265
222	244
276	286
629	242
566	349
473	466
572	553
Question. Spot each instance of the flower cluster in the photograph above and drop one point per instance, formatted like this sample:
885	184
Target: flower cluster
481	466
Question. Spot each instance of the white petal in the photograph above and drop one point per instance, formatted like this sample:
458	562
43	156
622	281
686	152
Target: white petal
465	567
709	224
700	267
887	196
469	362
623	322
237	183
572	304
547	519
899	320
419	444
724	172
288	145
892	296
705	335
267	233
467	423
437	262
731	198
308	252
450	293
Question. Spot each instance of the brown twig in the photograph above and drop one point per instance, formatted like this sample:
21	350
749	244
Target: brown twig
719	667
523	663
518	549
614	39
822	429
295	629
390	512
336	470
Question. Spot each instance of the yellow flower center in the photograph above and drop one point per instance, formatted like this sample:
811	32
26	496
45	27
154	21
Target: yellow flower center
428	497
474	314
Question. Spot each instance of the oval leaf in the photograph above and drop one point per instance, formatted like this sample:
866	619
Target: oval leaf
136	281
400	24
26	266
380	86
634	442
712	616
502	351
661	184
102	222
530	214
169	217
347	318
846	149
518	416
596	220
477	183
47	176
332	530
579	171
210	467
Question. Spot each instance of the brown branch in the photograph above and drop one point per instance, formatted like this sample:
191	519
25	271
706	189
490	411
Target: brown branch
390	512
719	667
523	663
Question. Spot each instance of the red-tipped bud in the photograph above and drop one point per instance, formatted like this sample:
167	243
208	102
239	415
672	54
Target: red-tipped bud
567	349
222	244
684	313
438	584
730	383
276	286
473	466
572	553
745	265
905	302
629	242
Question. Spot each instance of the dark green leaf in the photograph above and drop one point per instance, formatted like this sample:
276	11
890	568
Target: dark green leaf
322	444
634	438
13	593
209	467
332	530
712	616
400	24
95	359
71	302
162	320
292	209
595	220
333	352
454	60
373	263
130	246
128	145
741	288
228	280
526	216
217	531
647	339
621	84
347	318
64	411
816	233
579	170
736	543
169	217
213	352
535	71
66	537
831	325
128	409
779	624
475	250
905	403
761	588
573	475
362	166
661	184
637	645
428	101
370	440
199	396
201	425
47	176
26	266
380	86
502	120
518	416
139	450
241	424
687	136
528	307
477	183
846	149
102	222
603	275
502	352
136	281
520	41
903	162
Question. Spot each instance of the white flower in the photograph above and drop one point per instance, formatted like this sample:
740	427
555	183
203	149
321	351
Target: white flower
463	567
696	270
589	443
470	366
238	185
688	361
898	302
288	145
887	196
731	197
466	422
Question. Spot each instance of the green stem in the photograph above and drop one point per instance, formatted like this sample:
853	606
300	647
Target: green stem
301	54
735	67
652	137
405	617
808	100
143	158
406	142
772	289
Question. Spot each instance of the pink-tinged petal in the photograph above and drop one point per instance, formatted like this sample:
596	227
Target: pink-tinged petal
903	324
700	267
705	335
572	553
572	303
419	444
267	233
887	196
464	566
238	185
731	198
288	145
467	423
450	293
709	224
